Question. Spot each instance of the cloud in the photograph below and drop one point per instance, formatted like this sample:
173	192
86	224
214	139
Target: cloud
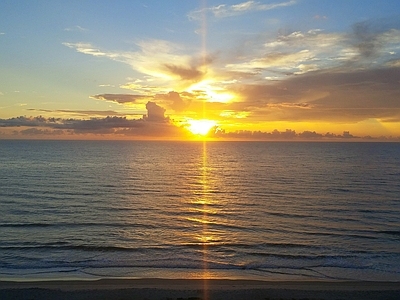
223	10
292	135
319	17
43	132
87	48
331	95
99	125
150	60
393	63
75	28
184	73
25	121
369	42
298	40
176	101
367	45
295	76
155	113
271	60
85	112
370	36
120	98
154	124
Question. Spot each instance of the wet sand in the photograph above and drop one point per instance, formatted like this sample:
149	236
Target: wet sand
193	289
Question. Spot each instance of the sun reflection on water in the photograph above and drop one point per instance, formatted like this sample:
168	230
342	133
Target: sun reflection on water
205	237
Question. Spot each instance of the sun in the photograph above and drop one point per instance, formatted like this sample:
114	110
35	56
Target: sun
201	127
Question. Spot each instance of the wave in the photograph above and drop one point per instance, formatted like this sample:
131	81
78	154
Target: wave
391	232
91	248
199	264
88	224
218	250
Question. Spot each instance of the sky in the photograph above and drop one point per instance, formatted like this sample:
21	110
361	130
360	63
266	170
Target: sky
177	69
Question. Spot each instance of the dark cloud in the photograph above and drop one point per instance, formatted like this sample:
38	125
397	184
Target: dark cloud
334	95
99	125
192	71
288	134
74	124
185	73
27	121
85	112
43	132
369	37
291	135
40	110
155	113
366	41
120	98
153	129
175	100
154	124
310	135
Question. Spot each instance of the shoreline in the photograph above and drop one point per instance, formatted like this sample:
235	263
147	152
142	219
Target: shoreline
196	289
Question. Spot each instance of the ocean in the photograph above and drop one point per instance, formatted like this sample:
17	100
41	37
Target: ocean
252	210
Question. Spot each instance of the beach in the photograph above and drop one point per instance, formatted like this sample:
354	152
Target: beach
157	289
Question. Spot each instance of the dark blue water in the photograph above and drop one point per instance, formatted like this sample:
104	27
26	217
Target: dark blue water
260	210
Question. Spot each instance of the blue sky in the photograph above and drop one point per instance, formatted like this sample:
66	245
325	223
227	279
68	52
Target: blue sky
310	66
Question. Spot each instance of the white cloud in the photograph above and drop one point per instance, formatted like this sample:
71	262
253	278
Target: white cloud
223	10
304	68
394	63
311	39
300	52
273	60
87	48
161	61
75	28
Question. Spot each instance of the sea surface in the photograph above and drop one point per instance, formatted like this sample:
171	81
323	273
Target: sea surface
254	210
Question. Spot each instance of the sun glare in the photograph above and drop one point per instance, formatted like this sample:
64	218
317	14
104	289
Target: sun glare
212	91
201	127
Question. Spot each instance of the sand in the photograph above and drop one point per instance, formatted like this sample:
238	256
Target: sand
192	289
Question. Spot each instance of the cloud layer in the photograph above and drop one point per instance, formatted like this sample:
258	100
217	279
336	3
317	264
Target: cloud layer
154	124
312	75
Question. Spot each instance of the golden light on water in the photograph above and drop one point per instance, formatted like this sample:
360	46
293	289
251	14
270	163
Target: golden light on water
205	227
